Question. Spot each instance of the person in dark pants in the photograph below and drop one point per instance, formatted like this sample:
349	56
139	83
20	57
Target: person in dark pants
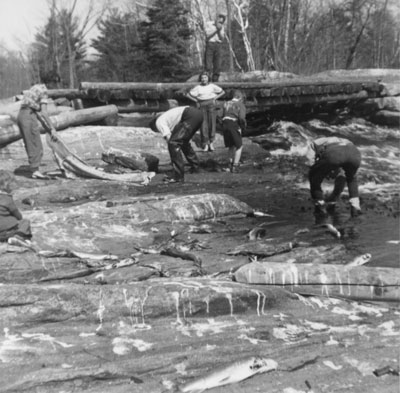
336	158
34	101
215	34
178	126
233	125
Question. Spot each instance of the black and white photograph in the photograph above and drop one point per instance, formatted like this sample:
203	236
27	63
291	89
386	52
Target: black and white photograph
199	196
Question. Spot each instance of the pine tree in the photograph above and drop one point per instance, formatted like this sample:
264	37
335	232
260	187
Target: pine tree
117	48
165	41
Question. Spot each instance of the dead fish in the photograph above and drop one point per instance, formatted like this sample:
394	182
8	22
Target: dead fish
204	228
14	241
94	257
360	260
257	233
123	263
176	253
331	229
237	372
301	231
257	213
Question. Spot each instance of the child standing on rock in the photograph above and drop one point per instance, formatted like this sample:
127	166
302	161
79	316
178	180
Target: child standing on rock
234	124
11	222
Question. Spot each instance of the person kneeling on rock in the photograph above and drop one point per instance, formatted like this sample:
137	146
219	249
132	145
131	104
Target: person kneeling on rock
339	159
178	126
11	222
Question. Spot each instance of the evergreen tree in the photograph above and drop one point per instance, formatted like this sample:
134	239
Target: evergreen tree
165	41
59	51
117	47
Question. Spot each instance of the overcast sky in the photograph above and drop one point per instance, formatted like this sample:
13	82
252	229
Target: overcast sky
20	19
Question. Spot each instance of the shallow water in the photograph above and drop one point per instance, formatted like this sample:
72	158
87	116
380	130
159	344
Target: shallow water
377	231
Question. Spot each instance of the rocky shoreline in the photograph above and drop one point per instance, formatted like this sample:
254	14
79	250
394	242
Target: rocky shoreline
148	288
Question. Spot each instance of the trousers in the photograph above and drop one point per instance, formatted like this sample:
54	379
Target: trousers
179	142
335	156
29	127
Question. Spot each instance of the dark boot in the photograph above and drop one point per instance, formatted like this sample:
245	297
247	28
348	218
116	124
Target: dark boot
355	212
320	213
235	168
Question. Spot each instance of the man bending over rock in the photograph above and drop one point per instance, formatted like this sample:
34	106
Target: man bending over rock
178	126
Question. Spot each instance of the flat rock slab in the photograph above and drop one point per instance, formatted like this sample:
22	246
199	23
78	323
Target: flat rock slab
107	227
158	335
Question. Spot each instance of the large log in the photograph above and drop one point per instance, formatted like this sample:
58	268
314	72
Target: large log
105	92
11	133
325	280
70	94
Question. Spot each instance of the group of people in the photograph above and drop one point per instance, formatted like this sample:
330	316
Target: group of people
178	126
334	158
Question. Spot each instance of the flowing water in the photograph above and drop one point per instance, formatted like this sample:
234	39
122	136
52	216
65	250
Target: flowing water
377	231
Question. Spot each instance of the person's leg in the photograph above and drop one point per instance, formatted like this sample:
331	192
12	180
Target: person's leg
177	161
24	229
191	156
208	57
29	128
204	138
237	141
213	124
350	169
216	62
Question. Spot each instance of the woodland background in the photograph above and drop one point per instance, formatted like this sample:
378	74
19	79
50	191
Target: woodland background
163	40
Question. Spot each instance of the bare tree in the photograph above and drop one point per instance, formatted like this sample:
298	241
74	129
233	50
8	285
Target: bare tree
241	16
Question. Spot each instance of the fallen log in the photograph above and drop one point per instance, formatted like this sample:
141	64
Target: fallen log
11	133
325	280
136	160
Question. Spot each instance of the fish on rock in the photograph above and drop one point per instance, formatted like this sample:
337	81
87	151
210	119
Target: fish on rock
237	372
331	229
256	233
360	260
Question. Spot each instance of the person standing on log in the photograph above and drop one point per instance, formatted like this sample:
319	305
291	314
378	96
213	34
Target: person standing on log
335	158
178	126
34	104
215	34
205	95
11	222
233	125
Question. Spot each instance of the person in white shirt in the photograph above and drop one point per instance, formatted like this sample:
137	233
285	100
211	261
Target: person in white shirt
215	34
178	126
205	95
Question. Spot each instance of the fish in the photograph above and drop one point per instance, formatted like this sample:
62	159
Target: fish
360	260
256	234
238	371
77	254
331	229
15	241
94	257
204	228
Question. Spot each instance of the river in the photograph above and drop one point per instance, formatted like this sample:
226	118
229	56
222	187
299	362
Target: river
377	231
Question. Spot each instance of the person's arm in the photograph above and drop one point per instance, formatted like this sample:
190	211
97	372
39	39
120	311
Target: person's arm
193	94
211	30
242	117
218	92
47	124
220	31
163	128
